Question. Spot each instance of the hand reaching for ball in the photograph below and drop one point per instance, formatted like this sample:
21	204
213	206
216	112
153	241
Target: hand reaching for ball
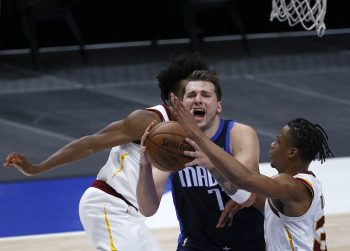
144	161
199	156
165	145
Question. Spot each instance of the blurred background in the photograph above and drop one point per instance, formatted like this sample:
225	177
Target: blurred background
110	21
69	68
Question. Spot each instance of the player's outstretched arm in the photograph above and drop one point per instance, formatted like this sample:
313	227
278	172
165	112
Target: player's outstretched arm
282	187
151	182
127	130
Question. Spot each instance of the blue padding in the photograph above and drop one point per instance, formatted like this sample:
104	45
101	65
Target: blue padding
40	207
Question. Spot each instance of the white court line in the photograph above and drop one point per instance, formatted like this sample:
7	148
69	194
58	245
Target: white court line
178	41
122	84
69	84
43	236
300	91
32	129
302	72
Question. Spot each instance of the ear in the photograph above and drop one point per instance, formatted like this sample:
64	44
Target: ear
293	153
219	108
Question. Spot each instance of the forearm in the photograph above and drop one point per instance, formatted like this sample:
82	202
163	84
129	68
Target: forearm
240	196
228	186
227	165
146	192
73	151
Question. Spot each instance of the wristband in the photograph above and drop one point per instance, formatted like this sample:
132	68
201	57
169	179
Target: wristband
240	196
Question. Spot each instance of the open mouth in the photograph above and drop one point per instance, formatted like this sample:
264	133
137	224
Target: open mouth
198	113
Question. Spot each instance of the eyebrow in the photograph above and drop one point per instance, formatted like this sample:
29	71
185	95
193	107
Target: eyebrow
202	91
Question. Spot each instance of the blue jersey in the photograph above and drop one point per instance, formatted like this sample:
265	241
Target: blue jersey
199	201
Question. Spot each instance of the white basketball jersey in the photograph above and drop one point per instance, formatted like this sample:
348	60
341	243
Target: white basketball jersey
303	233
121	170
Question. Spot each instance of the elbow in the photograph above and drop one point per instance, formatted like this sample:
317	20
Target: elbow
147	212
146	207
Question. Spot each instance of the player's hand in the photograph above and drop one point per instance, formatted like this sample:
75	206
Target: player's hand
199	156
184	117
144	161
20	162
226	217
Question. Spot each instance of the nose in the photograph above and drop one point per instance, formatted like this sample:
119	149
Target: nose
198	98
273	143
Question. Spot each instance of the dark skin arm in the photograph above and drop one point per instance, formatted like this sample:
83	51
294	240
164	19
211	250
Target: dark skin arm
124	131
151	183
292	194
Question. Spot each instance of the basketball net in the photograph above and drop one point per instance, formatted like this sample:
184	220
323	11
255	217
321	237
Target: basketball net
309	13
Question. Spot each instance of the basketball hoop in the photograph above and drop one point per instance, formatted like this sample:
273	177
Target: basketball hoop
309	13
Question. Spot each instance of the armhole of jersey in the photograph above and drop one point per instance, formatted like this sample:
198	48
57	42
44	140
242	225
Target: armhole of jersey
162	111
228	137
219	130
307	184
273	208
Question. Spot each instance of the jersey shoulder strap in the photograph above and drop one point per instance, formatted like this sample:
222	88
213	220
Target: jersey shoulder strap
163	112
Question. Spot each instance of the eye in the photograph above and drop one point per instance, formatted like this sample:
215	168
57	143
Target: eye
190	95
277	138
206	94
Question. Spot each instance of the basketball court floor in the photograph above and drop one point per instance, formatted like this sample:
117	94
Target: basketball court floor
281	78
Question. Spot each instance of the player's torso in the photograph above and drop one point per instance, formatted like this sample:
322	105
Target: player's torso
305	232
121	170
200	200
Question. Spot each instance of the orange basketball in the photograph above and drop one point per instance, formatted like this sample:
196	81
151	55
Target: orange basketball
165	146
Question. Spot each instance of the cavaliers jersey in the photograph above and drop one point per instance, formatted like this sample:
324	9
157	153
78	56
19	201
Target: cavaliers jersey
305	232
121	170
199	200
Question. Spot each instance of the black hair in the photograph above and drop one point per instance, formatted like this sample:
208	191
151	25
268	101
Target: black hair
310	138
180	68
210	76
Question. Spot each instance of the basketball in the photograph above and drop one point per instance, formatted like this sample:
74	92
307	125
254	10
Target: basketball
165	145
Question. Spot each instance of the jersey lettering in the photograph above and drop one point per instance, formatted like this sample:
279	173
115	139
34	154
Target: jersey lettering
122	159
196	176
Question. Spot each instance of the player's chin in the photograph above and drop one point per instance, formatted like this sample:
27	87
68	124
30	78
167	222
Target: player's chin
202	126
272	164
201	122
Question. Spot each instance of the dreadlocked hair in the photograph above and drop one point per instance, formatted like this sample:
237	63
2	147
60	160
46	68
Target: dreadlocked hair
310	138
180	68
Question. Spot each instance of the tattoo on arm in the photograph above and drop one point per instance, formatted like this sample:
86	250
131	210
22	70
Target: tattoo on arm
228	186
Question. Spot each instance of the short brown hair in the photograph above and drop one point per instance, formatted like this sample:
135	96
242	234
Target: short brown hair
210	76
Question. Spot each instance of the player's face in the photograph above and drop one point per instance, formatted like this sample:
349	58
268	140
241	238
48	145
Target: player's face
201	100
280	150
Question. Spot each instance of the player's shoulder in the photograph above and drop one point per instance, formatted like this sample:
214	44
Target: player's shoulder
145	114
240	129
142	115
308	177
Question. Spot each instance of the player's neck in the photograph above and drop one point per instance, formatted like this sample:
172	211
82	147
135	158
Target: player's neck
295	168
212	128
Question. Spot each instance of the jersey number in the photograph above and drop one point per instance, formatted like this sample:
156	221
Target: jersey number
320	242
217	193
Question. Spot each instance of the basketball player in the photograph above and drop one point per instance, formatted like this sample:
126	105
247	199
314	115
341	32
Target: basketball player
294	215
199	196
108	209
